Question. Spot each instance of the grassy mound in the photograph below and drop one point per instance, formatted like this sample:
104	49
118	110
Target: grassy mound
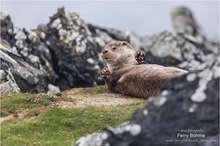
36	119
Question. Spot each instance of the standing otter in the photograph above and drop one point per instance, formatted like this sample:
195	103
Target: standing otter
126	75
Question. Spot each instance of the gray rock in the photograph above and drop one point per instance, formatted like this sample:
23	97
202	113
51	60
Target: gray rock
73	48
53	89
185	23
7	82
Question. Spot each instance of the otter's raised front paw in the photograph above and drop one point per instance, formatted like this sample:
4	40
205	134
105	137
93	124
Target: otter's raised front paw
105	73
139	56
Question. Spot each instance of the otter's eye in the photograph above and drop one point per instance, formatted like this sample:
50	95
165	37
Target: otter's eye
114	48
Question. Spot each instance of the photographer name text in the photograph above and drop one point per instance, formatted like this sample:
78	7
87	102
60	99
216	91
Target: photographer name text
190	135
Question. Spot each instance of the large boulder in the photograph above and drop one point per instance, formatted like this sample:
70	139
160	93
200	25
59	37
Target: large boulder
74	51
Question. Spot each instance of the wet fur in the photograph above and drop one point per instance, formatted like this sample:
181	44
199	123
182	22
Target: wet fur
126	76
141	80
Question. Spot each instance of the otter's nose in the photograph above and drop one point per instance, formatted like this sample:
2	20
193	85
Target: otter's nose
104	51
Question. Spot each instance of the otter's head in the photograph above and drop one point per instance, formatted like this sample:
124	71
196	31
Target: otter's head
117	53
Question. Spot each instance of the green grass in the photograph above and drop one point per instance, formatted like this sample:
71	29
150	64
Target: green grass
12	103
60	127
44	125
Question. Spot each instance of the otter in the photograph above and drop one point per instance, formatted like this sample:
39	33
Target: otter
128	74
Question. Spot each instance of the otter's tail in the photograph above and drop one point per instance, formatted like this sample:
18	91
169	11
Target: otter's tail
176	72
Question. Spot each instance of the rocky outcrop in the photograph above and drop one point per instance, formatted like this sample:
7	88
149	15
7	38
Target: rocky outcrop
73	49
61	53
64	53
188	105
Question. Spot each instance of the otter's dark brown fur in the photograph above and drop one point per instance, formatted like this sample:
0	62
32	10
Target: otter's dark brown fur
126	76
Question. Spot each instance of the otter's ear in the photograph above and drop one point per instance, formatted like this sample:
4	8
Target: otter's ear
124	43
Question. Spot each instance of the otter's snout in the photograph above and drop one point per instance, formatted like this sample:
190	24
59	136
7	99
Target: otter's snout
104	51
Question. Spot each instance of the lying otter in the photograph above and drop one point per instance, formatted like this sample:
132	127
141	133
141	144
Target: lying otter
127	75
